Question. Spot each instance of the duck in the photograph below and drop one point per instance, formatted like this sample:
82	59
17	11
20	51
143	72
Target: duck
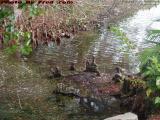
93	62
72	67
56	72
58	40
118	75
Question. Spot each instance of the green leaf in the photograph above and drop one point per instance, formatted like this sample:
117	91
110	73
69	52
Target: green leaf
5	12
34	10
23	5
28	42
26	50
158	82
11	50
148	92
157	100
27	35
10	28
123	37
147	73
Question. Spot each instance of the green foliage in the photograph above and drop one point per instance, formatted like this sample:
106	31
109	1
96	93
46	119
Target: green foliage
150	65
157	101
23	5
11	50
5	12
158	82
149	53
152	75
10	28
26	47
34	10
123	37
151	71
16	40
138	83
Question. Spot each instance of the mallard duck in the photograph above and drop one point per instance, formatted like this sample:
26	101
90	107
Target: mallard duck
56	72
72	67
118	75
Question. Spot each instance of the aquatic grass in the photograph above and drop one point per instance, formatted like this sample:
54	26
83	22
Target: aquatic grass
126	43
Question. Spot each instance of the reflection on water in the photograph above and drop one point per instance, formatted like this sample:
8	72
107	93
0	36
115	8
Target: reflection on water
138	24
25	84
136	28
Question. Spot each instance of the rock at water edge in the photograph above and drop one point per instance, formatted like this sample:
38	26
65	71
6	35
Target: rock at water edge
126	116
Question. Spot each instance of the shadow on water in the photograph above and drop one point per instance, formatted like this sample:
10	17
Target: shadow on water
25	91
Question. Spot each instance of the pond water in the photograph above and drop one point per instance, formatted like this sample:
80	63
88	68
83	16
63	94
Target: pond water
25	91
136	28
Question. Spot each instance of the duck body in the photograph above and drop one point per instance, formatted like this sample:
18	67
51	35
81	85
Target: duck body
92	67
